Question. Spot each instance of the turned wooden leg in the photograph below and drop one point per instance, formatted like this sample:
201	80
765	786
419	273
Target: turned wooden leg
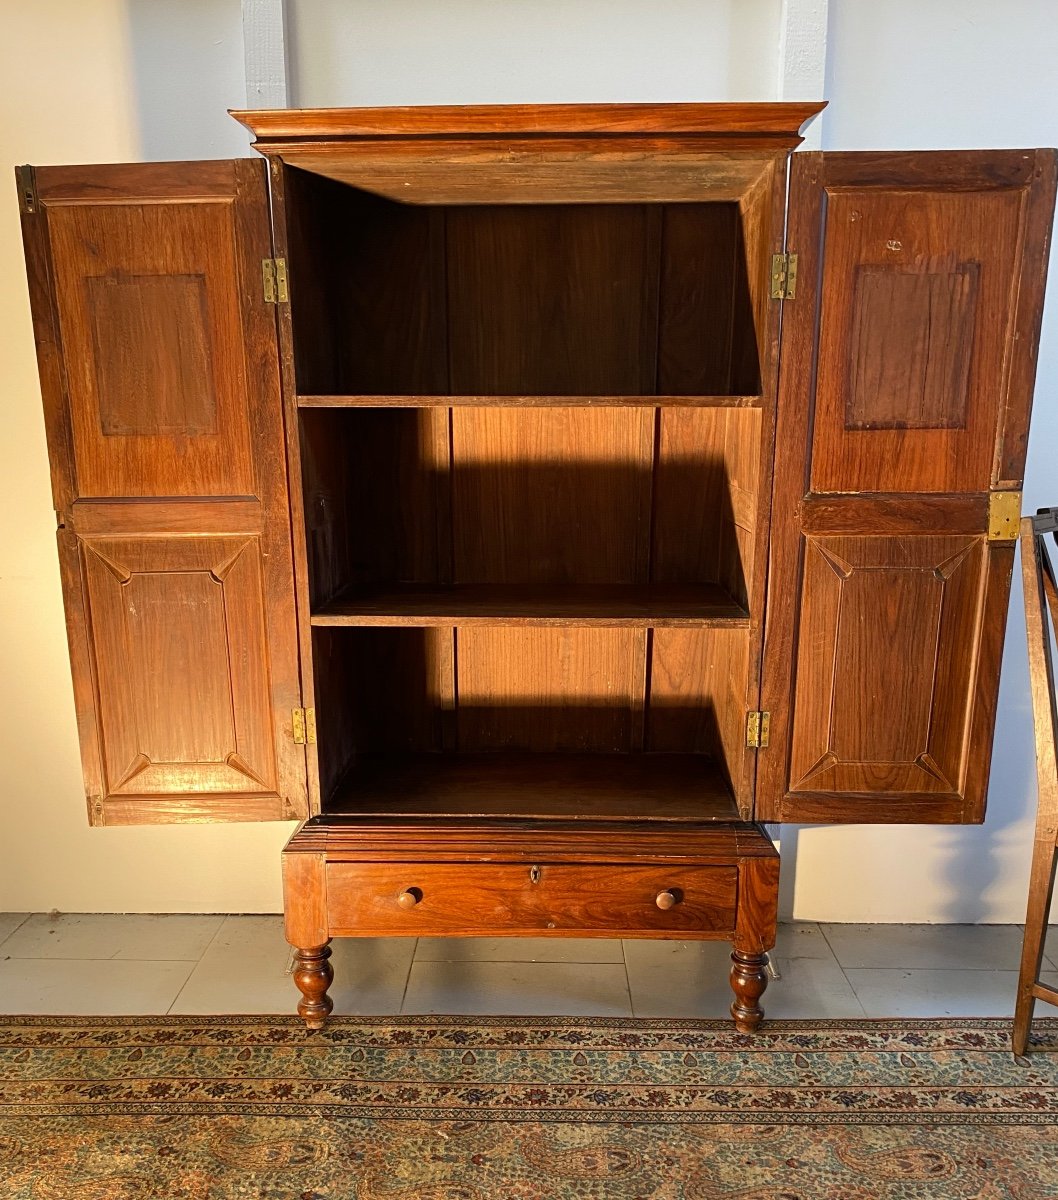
749	978
314	974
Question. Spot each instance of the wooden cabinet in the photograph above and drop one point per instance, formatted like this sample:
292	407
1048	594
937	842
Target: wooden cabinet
537	498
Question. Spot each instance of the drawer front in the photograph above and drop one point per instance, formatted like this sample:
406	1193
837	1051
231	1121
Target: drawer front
508	898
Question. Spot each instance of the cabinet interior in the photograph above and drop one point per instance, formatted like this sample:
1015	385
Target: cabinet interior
531	444
521	299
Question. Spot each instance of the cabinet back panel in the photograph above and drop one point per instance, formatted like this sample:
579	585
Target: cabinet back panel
562	689
551	300
557	496
551	496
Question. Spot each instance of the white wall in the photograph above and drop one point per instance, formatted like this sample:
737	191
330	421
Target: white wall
959	74
113	80
93	82
352	52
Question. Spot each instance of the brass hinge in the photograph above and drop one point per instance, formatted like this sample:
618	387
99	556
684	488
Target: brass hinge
303	724
26	178
1004	516
274	272
757	725
783	276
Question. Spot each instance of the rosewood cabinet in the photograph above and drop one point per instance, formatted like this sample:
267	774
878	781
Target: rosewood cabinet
536	499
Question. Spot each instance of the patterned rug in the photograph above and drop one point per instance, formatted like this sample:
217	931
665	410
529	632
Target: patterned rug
442	1108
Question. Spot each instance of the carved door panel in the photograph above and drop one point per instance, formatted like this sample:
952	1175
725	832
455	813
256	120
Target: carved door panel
907	366
159	371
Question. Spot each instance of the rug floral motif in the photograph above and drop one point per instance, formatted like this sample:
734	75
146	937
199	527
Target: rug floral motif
442	1108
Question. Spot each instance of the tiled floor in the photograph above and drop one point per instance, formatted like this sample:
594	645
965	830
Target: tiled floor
98	964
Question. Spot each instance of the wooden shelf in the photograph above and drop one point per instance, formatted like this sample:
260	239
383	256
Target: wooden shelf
442	401
627	605
618	787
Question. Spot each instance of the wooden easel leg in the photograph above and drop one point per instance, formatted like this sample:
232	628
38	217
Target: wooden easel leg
1041	889
749	978
314	975
1041	594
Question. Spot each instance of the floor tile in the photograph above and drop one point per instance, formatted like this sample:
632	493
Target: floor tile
247	970
370	975
801	939
690	979
252	935
112	935
508	949
926	947
891	992
9	922
518	989
89	987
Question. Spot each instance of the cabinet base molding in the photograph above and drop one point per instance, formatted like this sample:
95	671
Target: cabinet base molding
505	878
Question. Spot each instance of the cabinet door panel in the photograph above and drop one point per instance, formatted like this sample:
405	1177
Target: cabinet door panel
905	388
159	370
913	336
179	639
148	303
887	626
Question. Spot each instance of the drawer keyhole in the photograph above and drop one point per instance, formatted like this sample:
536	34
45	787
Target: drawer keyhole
534	874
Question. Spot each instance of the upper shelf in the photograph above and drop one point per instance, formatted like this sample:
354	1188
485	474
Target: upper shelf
575	401
628	605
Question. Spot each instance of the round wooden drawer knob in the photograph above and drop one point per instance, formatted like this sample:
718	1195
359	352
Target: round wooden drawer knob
409	898
667	899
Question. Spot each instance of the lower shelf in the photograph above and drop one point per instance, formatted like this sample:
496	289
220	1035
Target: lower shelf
612	787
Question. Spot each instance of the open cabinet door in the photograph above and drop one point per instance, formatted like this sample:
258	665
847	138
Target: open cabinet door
906	374
159	372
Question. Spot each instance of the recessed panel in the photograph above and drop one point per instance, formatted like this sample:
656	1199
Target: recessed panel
886	639
911	334
177	636
153	358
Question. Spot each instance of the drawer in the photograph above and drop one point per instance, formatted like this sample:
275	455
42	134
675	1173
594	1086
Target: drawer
516	898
